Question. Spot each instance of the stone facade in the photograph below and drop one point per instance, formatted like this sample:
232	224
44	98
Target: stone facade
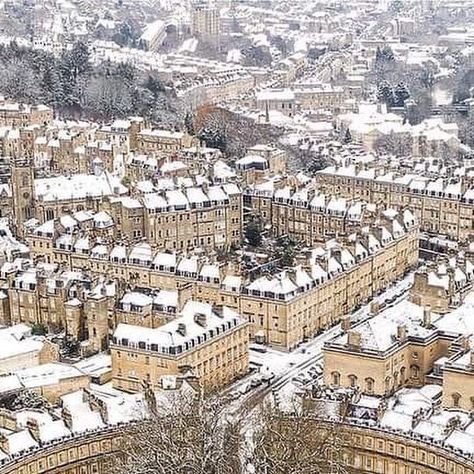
212	343
208	217
283	309
442	207
409	344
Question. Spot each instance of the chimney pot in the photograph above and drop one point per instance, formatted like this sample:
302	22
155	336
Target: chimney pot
200	318
181	329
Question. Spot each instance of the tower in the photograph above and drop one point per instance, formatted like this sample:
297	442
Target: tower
96	309
22	183
205	21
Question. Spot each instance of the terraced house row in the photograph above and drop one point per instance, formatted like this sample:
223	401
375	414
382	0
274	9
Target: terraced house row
307	214
444	205
178	218
283	308
423	340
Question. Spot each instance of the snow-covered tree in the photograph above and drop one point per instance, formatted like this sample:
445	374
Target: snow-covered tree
401	94
233	134
30	400
253	232
107	98
191	435
296	442
394	144
384	54
200	435
385	93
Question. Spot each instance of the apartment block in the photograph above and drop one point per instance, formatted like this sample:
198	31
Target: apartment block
210	342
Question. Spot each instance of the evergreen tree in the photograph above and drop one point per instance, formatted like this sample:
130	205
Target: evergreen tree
214	138
155	86
396	6
189	123
385	54
428	76
346	136
39	330
80	58
51	91
385	93
253	233
126	35
378	54
127	73
401	94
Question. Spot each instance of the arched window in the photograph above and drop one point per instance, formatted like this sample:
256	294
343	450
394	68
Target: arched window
352	380
336	379
369	385
415	372
27	211
25	179
388	384
456	399
403	375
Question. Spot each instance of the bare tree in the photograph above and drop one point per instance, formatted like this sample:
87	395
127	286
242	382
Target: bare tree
201	435
394	144
192	435
232	133
107	97
295	442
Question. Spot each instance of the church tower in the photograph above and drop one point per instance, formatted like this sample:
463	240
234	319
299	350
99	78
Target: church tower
22	183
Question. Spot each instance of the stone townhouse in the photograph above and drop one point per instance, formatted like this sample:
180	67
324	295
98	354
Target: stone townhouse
443	205
309	215
208	217
284	308
47	198
18	115
155	141
211	342
58	299
410	344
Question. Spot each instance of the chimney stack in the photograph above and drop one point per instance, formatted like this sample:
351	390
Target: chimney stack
402	332
346	323
427	316
33	428
181	329
4	445
66	416
185	294
354	340
374	308
200	318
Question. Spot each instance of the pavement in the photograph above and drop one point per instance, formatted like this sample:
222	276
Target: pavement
275	370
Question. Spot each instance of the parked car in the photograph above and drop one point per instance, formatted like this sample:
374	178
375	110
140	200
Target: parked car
268	377
257	348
